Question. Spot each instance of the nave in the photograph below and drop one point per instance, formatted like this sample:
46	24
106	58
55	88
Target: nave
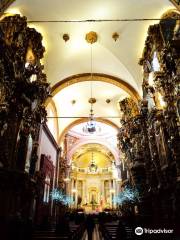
102	226
89	119
105	227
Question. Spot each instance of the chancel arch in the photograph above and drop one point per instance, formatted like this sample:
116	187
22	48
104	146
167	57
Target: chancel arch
94	169
101	142
84	120
95	77
71	97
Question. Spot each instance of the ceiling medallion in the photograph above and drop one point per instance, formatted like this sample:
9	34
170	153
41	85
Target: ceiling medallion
91	37
115	36
92	100
66	37
73	102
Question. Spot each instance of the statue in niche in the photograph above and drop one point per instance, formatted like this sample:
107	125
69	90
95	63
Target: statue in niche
147	68
149	95
150	98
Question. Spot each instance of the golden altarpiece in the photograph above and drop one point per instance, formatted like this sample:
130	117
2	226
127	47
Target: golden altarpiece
23	90
149	136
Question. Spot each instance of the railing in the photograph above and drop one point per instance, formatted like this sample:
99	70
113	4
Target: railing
87	171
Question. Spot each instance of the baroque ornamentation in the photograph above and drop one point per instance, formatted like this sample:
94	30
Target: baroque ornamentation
150	140
91	37
24	88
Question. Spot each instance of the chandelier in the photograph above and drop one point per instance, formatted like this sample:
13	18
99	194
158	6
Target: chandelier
93	167
91	126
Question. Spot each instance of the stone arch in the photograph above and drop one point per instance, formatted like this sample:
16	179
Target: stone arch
80	143
96	77
82	120
51	105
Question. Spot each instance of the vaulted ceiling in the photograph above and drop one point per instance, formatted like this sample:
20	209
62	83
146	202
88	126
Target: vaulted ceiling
115	58
101	156
120	58
72	102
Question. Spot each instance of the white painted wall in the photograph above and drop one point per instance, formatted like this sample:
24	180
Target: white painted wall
47	148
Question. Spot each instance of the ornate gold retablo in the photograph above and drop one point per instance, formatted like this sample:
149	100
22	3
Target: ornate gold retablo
91	37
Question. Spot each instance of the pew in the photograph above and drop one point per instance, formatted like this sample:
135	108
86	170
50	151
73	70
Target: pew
109	230
75	233
114	231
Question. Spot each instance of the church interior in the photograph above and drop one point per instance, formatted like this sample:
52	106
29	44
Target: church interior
89	119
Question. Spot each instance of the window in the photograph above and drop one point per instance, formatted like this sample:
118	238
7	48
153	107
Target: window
155	62
155	67
28	156
46	189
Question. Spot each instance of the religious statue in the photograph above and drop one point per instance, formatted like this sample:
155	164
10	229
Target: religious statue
149	95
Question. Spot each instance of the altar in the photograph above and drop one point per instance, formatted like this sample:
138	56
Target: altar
92	208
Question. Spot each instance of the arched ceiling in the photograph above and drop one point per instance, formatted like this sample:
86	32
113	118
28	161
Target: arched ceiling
80	93
101	156
104	131
118	58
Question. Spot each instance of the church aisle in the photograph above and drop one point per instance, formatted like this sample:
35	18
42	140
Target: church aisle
90	120
96	234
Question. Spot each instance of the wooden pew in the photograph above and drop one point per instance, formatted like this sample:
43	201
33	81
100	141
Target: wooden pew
75	233
109	230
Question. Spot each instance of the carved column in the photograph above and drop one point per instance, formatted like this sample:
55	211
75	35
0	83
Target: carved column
161	93
133	141
166	84
23	90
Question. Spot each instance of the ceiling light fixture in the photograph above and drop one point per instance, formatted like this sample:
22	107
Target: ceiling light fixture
115	36
91	126
108	100
93	167
66	37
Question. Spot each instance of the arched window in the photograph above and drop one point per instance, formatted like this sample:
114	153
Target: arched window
155	66
155	63
52	121
46	189
28	156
